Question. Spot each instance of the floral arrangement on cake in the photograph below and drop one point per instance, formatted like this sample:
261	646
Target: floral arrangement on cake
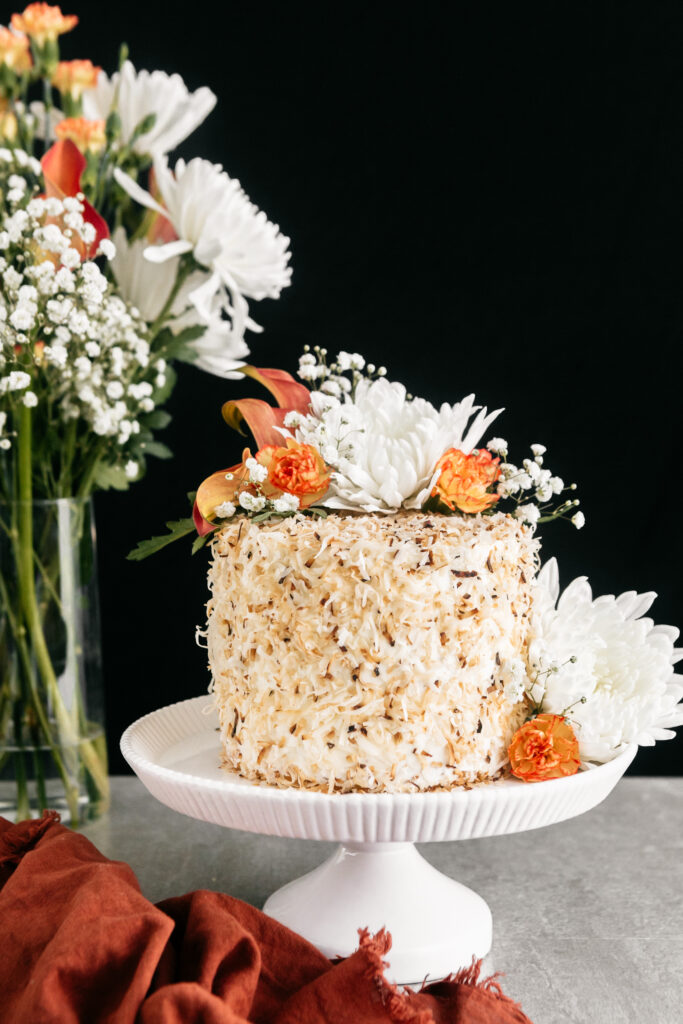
599	675
114	265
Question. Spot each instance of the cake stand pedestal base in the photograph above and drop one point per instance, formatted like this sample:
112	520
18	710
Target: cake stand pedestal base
437	925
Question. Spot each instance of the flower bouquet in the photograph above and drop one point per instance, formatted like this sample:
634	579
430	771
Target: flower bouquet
113	265
584	679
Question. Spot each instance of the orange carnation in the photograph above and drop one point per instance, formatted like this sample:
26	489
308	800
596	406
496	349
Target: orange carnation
14	51
464	480
75	76
545	747
43	22
296	469
89	136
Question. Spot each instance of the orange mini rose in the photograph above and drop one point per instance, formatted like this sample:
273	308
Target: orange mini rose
464	480
89	136
43	22
75	76
14	51
545	747
296	469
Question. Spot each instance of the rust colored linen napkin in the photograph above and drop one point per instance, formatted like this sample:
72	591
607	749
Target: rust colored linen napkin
80	943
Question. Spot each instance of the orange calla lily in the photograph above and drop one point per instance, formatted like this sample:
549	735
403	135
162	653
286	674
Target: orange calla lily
216	489
63	165
261	418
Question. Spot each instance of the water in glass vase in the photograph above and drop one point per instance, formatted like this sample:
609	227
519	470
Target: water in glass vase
52	743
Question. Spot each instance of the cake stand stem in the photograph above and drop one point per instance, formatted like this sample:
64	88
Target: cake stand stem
436	923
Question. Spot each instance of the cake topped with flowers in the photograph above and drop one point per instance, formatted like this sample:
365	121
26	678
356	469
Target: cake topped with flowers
378	621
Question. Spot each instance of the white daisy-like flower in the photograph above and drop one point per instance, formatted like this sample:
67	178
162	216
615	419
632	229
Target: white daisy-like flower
214	220
147	284
620	687
137	94
384	447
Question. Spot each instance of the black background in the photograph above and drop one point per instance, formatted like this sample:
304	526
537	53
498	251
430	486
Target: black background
488	201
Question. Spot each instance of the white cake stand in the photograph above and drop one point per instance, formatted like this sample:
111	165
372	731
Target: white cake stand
376	878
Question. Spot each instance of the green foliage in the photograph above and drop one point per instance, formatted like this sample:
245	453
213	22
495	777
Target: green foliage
177	528
111	477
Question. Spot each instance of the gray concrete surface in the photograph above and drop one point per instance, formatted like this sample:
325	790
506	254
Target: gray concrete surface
588	914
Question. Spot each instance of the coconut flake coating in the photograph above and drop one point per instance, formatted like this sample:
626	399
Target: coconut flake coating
363	652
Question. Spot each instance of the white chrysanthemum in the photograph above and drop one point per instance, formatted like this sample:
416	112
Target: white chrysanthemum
227	234
137	94
384	447
623	665
146	285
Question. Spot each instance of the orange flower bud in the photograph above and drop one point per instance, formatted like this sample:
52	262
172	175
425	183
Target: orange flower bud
14	50
464	480
43	23
296	469
75	76
8	122
89	136
545	747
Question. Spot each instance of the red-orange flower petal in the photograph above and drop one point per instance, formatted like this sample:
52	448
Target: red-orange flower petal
545	747
261	418
63	165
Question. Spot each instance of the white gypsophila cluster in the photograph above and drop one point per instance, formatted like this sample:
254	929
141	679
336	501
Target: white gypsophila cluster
332	379
604	665
63	327
135	95
534	488
244	254
146	285
383	445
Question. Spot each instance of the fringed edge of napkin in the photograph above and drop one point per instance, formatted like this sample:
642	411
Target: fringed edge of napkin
397	1003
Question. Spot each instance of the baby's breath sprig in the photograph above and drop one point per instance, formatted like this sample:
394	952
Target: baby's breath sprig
332	379
532	488
535	692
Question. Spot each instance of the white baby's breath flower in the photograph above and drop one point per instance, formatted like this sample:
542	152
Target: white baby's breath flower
538	449
579	520
527	513
257	472
107	249
286	503
16	380
132	469
252	502
622	665
30	399
497	445
226	510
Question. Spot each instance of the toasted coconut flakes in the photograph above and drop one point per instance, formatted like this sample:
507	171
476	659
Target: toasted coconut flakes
316	715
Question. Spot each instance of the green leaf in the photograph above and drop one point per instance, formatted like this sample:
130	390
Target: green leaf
161	395
111	478
157	420
177	528
199	542
157	449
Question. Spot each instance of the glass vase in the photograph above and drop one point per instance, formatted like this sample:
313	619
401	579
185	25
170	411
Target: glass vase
52	741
